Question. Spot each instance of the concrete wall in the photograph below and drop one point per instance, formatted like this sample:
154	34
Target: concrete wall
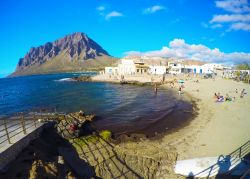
14	150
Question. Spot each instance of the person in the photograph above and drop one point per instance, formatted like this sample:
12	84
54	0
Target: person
236	90
242	93
219	97
163	78
179	91
216	96
155	88
228	98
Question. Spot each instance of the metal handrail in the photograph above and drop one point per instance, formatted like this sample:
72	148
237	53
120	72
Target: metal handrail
237	155
18	125
10	122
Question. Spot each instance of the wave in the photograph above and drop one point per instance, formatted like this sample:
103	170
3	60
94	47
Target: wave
65	79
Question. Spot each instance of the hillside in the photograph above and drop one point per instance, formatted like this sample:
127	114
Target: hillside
74	52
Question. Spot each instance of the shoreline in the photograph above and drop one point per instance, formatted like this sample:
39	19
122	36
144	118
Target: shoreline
215	128
215	131
218	128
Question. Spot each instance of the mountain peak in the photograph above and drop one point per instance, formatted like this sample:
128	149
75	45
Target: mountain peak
75	47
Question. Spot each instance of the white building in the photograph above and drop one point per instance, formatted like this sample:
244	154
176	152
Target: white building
111	70
126	67
158	70
175	68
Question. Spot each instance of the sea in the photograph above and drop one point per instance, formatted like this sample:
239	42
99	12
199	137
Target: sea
123	109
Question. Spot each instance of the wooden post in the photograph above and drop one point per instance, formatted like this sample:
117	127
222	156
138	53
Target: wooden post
23	124
6	130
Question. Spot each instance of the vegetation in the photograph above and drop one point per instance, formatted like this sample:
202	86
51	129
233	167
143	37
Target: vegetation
85	140
105	135
243	66
242	75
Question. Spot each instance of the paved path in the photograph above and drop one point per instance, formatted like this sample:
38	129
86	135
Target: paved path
15	130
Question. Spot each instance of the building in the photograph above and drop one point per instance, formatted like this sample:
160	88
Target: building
175	68
126	67
132	66
158	66
158	70
141	68
111	70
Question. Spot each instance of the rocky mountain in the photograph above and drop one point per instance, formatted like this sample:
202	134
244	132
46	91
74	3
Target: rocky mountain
74	52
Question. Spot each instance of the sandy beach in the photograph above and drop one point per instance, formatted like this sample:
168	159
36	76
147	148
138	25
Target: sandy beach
219	128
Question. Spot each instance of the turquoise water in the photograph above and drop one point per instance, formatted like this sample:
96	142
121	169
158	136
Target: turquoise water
120	108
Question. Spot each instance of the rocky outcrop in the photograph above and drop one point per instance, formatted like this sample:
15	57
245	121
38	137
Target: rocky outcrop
72	125
82	79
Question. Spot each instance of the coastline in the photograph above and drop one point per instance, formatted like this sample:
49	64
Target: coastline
209	133
218	128
185	111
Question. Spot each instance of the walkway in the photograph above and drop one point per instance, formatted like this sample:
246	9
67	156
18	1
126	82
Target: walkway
14	129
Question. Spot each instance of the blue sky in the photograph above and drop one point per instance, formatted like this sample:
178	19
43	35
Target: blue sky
148	27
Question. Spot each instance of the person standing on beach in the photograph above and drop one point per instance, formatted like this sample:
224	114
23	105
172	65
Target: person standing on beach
179	91
155	88
163	77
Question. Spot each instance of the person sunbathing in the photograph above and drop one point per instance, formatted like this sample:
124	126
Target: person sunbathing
228	98
242	93
219	98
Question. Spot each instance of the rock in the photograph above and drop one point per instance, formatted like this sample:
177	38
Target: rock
60	160
82	78
71	125
129	159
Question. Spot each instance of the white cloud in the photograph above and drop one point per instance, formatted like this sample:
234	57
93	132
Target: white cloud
237	19
153	9
113	14
234	6
178	48
231	18
215	26
240	26
101	8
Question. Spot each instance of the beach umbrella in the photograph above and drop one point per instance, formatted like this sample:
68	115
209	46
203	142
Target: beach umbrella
181	81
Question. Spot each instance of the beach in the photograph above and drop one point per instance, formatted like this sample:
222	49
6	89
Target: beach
211	129
218	129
